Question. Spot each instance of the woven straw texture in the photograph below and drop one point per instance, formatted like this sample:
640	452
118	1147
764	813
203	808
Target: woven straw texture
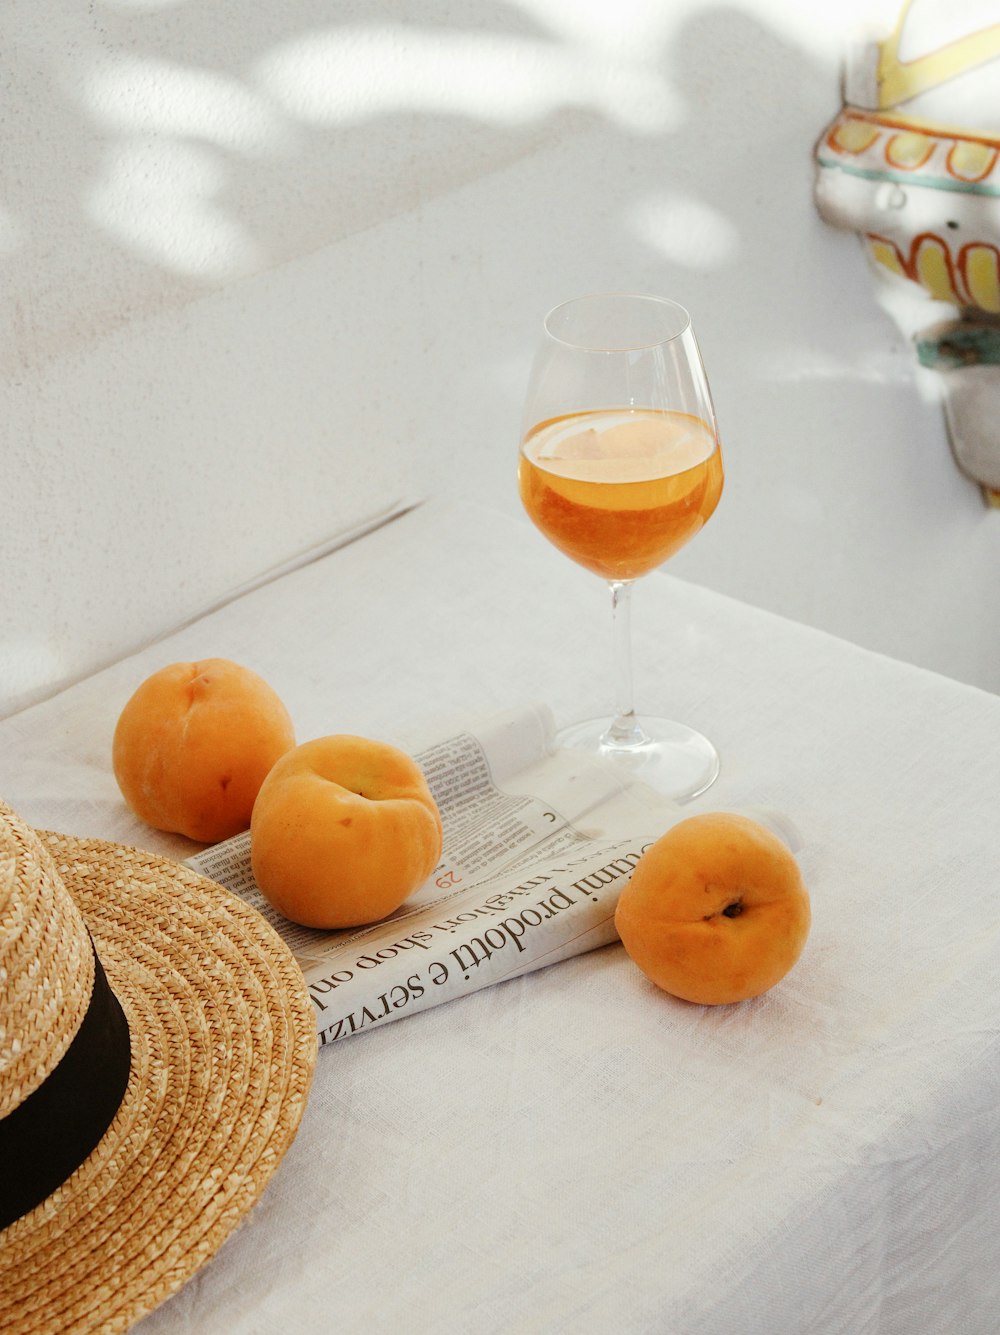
223	1049
46	962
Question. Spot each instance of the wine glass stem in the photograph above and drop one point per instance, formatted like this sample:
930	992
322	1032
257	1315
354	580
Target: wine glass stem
624	730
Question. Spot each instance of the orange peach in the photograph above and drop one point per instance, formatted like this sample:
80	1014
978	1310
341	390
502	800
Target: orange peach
193	744
344	829
715	910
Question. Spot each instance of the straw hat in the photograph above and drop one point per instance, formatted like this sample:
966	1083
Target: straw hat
149	1082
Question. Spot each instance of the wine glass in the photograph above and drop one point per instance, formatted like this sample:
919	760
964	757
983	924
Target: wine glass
620	466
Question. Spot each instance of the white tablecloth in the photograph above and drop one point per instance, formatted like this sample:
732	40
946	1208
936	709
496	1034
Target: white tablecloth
574	1151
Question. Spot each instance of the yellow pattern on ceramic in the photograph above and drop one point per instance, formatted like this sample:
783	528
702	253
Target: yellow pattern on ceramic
933	270
908	150
971	279
885	253
898	81
982	276
876	144
853	136
971	160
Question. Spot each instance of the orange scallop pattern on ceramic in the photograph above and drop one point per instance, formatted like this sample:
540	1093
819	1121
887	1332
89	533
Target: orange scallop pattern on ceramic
979	265
933	267
908	150
971	161
970	278
852	136
877	143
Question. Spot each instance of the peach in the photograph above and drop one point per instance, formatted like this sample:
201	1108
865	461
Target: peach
193	744
715	911
344	829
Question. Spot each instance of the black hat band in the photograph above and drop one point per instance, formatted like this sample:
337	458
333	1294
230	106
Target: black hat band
46	1138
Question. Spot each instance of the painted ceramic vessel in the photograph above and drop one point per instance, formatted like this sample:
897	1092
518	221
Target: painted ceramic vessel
912	164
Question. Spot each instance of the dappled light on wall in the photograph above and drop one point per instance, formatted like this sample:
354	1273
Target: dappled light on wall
686	231
160	200
161	189
140	95
912	164
164	148
350	74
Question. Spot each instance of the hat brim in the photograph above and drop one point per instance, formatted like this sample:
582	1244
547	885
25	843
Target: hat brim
223	1048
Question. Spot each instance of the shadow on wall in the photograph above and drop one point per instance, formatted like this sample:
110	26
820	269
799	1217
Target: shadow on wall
160	148
186	141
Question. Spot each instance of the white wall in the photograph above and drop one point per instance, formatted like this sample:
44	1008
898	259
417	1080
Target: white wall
268	270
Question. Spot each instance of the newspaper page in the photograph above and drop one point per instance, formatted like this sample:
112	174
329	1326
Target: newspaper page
538	843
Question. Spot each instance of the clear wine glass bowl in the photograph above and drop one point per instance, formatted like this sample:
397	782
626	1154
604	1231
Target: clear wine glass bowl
620	467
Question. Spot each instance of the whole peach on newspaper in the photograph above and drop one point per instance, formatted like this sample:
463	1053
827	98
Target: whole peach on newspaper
344	829
715	910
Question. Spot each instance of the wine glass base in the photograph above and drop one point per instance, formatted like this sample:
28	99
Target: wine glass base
672	758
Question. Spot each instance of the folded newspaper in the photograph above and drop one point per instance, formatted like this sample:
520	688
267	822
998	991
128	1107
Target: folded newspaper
538	843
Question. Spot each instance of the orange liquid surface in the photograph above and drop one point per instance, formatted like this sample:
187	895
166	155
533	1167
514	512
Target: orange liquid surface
620	491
